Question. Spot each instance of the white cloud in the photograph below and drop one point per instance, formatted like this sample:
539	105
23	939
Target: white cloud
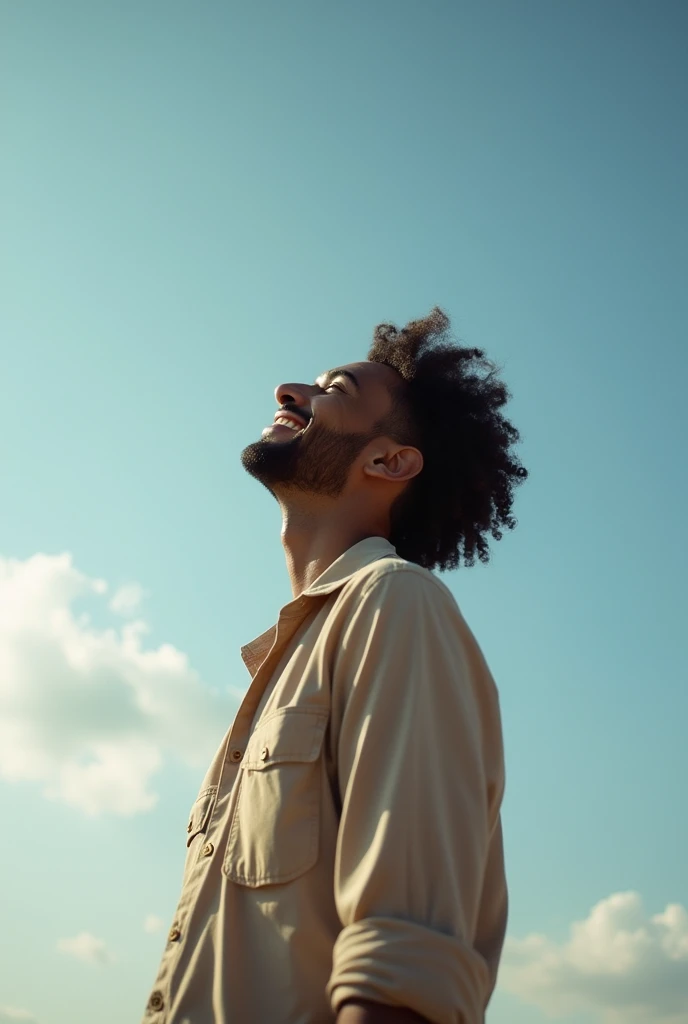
86	947
626	967
91	713
127	599
152	923
11	1014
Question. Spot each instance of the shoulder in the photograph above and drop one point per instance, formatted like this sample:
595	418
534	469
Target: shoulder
395	596
400	622
392	594
396	578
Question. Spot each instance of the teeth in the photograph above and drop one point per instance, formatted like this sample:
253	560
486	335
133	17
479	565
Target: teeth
287	423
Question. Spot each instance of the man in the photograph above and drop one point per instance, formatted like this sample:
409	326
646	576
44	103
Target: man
344	854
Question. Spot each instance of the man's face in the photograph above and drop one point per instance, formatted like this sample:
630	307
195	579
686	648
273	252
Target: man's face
320	429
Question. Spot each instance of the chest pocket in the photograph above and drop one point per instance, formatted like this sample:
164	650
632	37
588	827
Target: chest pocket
275	826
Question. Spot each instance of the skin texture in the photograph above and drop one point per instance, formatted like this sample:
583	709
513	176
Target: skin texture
361	1011
336	482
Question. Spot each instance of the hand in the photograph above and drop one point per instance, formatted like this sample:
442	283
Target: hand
363	1011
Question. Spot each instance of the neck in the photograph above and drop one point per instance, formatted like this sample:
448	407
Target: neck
315	532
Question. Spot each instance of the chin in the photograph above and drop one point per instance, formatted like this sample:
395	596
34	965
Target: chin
271	462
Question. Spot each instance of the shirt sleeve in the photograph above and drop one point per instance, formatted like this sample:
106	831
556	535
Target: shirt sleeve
419	872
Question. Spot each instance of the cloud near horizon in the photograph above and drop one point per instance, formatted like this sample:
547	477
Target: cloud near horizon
87	948
12	1014
90	713
619	963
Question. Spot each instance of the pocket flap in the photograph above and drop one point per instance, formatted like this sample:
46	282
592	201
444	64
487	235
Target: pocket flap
200	813
290	734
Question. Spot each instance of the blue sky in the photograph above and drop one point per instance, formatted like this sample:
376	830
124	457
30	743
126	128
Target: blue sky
201	201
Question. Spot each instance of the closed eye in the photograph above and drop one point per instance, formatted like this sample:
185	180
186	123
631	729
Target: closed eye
337	386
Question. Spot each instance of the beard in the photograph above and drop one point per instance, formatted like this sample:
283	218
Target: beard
315	462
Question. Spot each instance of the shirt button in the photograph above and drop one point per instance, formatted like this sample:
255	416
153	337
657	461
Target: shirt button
208	849
264	754
156	1001
236	755
175	934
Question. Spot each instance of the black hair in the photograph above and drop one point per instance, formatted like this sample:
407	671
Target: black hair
448	404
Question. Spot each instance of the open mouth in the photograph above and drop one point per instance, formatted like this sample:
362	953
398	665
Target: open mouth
288	421
284	421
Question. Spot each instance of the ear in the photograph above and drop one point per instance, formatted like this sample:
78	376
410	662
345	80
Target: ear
395	464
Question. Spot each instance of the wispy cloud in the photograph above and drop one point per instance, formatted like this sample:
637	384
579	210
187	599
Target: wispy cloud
127	599
12	1014
627	967
152	923
86	947
91	713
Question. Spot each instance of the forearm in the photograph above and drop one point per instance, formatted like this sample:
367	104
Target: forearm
362	1011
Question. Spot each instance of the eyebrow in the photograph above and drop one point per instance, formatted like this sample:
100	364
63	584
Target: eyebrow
331	374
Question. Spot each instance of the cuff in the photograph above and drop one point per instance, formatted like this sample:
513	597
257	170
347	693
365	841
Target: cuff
401	963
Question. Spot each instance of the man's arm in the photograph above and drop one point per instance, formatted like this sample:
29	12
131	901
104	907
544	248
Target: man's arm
419	880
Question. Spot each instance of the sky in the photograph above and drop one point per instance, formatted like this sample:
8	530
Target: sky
200	201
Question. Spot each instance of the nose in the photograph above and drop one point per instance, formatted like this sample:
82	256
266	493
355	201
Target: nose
297	394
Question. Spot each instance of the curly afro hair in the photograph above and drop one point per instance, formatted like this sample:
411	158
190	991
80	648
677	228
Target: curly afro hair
448	404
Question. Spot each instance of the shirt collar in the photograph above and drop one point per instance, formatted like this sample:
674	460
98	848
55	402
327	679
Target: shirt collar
355	558
347	565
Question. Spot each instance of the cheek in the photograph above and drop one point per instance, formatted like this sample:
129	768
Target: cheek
330	414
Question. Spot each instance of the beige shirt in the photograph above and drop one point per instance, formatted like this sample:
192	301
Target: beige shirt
346	841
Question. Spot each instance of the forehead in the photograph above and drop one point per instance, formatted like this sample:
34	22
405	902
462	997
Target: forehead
370	377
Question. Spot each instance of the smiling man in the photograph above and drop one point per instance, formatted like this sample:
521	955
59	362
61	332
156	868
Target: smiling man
345	857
